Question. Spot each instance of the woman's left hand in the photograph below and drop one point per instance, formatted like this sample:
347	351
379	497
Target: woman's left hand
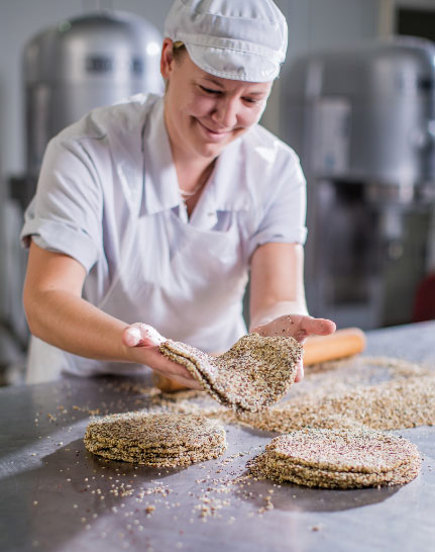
299	327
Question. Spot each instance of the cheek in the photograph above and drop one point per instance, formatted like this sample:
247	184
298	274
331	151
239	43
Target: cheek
250	116
198	106
183	102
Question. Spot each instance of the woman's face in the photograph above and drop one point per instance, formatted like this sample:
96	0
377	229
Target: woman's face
204	113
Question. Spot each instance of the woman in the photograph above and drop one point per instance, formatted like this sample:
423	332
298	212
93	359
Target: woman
155	209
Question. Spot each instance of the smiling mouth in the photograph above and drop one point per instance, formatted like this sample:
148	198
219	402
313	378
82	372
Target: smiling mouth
214	132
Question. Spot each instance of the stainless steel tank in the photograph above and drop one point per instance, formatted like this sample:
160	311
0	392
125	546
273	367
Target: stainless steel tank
365	113
363	122
93	60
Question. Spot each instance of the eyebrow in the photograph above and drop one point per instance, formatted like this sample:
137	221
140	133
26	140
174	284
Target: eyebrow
217	83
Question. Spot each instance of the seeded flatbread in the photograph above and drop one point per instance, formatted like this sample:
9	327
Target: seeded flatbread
388	405
310	477
256	372
342	450
156	439
338	459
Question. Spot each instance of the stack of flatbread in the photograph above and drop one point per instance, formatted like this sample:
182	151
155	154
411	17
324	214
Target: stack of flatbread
156	439
338	459
256	372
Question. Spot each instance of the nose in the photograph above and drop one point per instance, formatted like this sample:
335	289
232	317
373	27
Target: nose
225	113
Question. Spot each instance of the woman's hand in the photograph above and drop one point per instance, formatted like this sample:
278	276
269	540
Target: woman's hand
143	342
298	326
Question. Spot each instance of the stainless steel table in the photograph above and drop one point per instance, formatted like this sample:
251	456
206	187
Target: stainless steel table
55	496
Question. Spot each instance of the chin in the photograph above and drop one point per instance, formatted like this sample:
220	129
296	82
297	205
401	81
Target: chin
210	151
206	149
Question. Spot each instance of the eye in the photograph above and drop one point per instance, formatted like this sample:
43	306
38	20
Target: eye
210	91
250	100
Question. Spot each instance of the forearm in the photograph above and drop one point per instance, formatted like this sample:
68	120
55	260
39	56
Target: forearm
277	284
57	314
72	324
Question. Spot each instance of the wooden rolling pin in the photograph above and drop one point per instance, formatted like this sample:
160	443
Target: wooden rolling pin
341	344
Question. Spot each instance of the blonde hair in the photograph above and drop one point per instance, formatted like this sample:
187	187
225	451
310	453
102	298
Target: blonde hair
178	50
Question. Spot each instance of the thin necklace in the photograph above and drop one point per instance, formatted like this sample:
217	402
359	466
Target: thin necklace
193	192
185	194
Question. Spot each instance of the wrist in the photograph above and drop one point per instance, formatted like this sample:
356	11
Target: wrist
282	308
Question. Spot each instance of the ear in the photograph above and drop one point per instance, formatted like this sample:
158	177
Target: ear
166	58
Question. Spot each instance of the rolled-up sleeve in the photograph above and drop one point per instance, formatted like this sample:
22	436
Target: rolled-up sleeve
283	219
66	213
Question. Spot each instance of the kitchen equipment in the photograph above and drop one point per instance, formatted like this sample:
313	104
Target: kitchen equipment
92	60
424	303
343	343
95	59
363	122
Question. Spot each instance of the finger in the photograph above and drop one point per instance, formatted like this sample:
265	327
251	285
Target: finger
325	326
300	372
188	382
185	379
141	335
175	371
132	336
317	326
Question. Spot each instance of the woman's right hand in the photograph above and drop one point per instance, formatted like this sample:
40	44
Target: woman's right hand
143	342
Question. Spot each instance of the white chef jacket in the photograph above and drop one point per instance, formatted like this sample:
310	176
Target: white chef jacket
108	196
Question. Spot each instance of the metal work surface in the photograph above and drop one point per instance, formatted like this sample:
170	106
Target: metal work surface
56	496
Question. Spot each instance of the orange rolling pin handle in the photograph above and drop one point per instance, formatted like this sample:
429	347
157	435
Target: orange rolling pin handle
341	344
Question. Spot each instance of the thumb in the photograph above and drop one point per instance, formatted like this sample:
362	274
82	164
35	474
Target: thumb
326	326
141	335
318	326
